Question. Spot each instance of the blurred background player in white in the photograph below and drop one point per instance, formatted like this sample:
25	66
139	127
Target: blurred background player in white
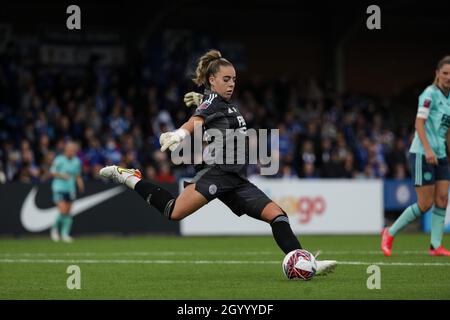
226	182
66	172
429	163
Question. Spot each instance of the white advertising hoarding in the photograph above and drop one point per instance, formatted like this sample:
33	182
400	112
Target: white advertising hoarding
313	207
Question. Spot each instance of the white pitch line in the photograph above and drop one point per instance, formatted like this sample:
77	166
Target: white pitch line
189	253
121	261
403	264
373	252
154	253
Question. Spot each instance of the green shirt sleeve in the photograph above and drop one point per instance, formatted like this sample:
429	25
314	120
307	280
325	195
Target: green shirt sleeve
56	165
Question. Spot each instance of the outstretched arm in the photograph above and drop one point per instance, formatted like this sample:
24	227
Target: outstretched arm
189	125
171	140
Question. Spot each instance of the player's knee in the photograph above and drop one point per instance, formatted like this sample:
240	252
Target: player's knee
278	216
441	200
424	206
178	211
282	217
271	212
64	208
177	215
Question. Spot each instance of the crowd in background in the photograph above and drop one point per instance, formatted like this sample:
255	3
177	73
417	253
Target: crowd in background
117	115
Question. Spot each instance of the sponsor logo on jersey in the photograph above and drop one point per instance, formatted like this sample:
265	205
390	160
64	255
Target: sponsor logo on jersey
205	104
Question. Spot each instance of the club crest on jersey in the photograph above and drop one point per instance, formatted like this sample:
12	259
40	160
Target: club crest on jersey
204	105
212	189
426	103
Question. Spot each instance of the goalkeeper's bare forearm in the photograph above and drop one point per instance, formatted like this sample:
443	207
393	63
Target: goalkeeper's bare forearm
189	125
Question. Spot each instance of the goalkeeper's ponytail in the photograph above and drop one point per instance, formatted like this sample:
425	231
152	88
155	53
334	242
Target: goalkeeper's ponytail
208	65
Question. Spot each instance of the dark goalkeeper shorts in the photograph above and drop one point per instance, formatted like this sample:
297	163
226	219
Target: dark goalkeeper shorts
424	173
236	192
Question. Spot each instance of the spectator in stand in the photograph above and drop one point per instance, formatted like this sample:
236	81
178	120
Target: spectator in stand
333	168
309	171
165	175
111	153
45	108
150	172
397	156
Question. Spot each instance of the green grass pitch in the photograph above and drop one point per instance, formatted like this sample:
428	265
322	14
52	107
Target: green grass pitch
160	267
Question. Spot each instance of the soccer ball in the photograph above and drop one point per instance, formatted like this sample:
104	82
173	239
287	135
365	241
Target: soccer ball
299	265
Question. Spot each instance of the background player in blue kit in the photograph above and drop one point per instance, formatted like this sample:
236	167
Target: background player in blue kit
66	172
429	163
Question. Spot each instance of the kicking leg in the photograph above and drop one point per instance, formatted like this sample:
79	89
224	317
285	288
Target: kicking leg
281	229
173	208
285	237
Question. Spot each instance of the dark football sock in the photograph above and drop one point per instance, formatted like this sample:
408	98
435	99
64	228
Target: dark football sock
283	235
156	196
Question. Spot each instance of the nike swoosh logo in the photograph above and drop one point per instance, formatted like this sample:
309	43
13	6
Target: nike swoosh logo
35	219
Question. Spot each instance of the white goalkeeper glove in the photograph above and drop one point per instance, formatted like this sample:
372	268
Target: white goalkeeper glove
172	139
193	99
